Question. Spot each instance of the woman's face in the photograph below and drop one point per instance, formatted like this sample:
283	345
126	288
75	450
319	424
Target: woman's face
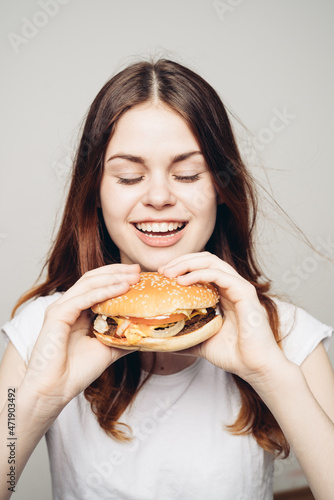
157	196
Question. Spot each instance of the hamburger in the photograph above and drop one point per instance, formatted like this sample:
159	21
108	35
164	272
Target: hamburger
158	314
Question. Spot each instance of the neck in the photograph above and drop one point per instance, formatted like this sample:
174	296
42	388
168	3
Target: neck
166	362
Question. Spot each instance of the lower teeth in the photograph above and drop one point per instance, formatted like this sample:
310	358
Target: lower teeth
159	235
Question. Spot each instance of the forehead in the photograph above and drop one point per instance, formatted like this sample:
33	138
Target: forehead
152	126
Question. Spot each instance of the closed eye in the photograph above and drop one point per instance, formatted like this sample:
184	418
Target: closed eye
136	180
186	178
129	180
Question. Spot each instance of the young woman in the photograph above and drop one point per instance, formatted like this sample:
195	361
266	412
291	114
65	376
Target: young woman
158	184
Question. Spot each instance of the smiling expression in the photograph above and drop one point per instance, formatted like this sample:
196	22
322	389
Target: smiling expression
157	196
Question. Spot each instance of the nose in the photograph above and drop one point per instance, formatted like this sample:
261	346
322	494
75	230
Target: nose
159	194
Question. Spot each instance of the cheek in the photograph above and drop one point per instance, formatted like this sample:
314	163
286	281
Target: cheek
114	203
112	208
114	215
203	199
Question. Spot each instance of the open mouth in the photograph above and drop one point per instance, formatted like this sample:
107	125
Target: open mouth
160	229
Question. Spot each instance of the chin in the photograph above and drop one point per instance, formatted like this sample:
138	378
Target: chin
152	260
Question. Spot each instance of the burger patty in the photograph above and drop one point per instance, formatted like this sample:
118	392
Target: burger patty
190	325
197	321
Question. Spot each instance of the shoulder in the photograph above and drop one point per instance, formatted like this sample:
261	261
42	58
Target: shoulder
24	328
300	331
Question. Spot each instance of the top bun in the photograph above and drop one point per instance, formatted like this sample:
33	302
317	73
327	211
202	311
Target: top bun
156	295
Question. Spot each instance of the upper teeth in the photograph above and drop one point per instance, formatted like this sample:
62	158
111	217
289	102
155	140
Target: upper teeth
159	227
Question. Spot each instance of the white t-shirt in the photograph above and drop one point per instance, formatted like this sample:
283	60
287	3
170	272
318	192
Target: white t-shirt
180	449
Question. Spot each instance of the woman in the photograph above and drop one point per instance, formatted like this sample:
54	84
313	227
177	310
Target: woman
158	148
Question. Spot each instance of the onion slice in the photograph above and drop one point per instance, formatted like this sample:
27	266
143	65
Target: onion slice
122	327
100	324
169	331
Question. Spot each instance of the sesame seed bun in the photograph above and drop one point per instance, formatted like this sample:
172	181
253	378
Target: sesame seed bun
155	295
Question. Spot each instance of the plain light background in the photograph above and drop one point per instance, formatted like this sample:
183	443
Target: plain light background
270	61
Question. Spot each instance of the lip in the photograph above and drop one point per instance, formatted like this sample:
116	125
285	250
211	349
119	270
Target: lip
156	241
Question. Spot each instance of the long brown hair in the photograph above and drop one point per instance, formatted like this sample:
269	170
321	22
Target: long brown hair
83	242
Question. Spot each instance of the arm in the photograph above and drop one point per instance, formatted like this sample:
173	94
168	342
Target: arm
64	361
28	425
300	398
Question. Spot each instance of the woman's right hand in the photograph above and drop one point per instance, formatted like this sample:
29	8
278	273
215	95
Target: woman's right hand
65	360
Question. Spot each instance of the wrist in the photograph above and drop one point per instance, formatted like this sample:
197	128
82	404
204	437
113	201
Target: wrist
35	410
274	376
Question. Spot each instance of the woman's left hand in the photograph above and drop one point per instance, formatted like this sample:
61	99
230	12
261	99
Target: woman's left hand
245	345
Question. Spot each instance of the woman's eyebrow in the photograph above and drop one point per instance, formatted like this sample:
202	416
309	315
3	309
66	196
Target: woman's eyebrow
139	159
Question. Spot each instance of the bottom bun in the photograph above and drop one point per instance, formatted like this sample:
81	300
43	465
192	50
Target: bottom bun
171	344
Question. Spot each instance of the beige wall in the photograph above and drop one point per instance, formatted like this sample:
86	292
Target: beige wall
270	60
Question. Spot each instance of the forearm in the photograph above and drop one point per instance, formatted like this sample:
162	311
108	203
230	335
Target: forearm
23	422
306	426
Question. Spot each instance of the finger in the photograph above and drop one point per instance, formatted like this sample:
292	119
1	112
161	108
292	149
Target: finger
67	311
84	321
203	260
182	258
113	268
105	354
89	349
233	287
89	282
